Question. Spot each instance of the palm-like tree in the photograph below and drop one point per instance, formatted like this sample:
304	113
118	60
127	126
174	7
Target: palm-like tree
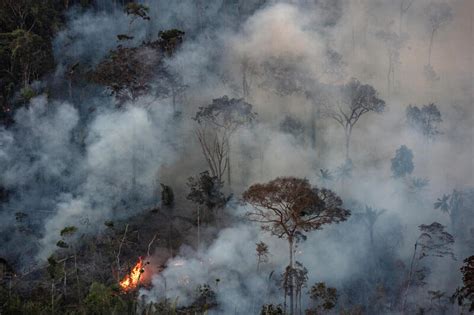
443	203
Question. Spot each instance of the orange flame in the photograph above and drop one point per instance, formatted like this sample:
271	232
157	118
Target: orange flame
131	281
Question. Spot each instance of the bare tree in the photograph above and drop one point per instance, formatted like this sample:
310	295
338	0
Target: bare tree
217	122
287	207
393	43
355	100
370	217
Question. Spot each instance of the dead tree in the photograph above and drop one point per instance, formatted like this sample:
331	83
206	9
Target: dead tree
354	100
217	122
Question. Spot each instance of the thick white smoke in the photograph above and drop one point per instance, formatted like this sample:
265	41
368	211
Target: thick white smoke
68	169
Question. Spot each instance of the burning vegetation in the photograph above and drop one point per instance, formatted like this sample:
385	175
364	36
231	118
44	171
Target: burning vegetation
131	281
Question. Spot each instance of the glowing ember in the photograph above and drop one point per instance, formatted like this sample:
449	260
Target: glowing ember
131	281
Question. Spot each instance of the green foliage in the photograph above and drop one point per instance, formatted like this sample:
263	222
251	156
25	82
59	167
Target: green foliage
402	163
325	175
27	93
225	113
324	298
207	190
167	195
293	126
205	298
54	269
425	120
270	309
30	55
62	244
137	10
163	307
417	184
68	231
434	241
121	37
170	34
443	203
102	300
170	39
262	251
27	29
20	216
42	17
10	304
465	294
344	170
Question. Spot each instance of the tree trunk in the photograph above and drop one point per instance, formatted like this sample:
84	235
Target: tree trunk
410	274
352	29
431	45
389	73
198	228
371	231
348	133
229	182
313	125
245	85
290	243
70	88
401	18
52	297
77	274
173	95
65	278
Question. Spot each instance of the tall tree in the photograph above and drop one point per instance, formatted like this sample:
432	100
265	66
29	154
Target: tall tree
127	72
402	162
355	100
425	120
439	14
452	205
370	217
31	53
206	190
262	253
293	126
217	123
287	207
393	43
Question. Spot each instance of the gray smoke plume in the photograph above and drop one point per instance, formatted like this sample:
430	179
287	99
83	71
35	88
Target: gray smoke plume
72	166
